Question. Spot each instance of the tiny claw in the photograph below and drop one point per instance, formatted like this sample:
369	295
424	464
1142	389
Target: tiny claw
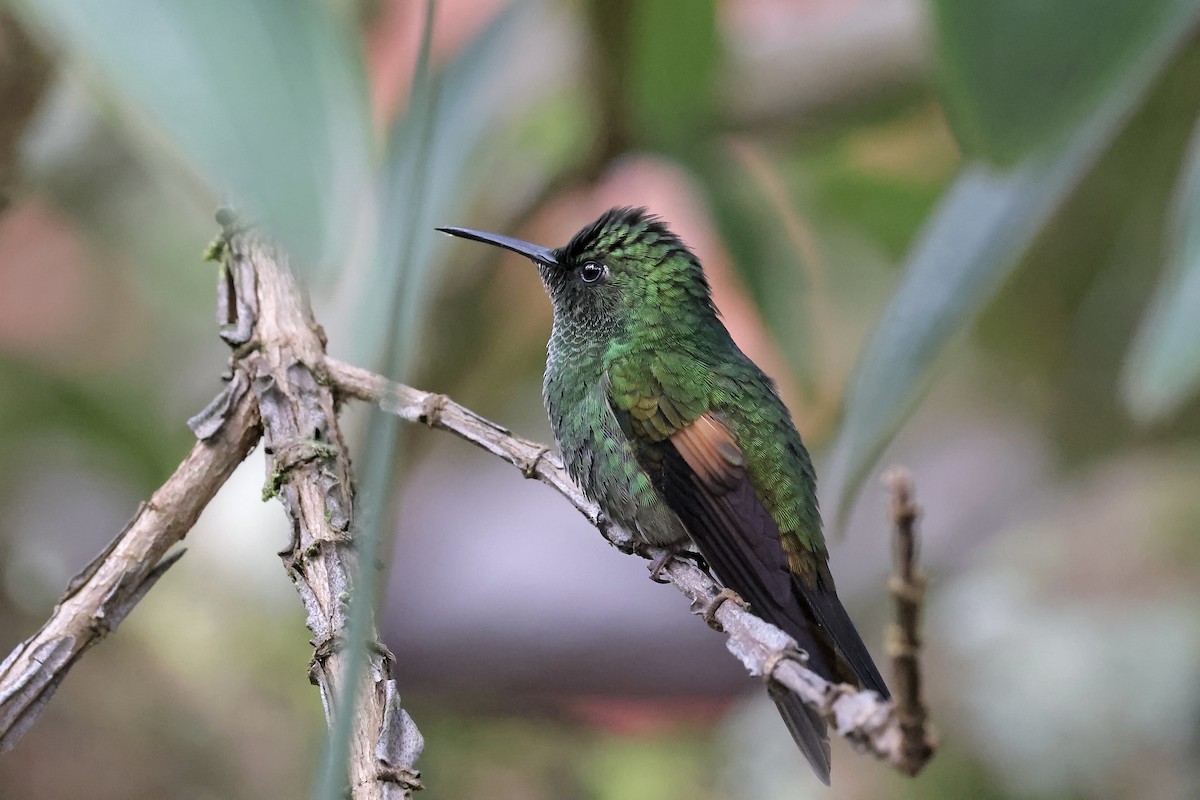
708	611
660	563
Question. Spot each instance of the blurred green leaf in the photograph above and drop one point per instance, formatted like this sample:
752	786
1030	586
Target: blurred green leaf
1163	365
754	228
380	460
889	210
656	69
987	218
429	175
425	176
1020	73
266	101
116	420
672	65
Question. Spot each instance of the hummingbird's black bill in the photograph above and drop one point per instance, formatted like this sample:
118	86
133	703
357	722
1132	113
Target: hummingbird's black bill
542	255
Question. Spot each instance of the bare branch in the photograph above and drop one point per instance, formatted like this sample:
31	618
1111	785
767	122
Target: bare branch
886	729
282	349
277	392
283	388
99	597
439	411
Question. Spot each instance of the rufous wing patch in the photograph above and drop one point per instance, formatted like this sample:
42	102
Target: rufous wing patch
706	482
709	450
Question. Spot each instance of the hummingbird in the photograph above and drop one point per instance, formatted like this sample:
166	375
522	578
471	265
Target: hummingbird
681	439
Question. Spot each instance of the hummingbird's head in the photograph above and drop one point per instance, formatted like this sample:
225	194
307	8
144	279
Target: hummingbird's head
626	272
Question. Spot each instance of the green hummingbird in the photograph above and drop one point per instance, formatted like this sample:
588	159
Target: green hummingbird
679	437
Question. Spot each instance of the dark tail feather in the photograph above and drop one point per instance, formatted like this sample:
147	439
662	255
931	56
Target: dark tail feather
832	616
807	728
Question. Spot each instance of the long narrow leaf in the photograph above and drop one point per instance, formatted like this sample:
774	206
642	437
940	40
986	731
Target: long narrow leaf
1018	74
986	220
469	100
1163	366
423	177
382	440
264	101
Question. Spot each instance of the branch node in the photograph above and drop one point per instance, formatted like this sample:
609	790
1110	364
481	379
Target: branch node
407	779
529	467
324	648
899	482
777	657
289	457
433	405
708	609
898	644
910	590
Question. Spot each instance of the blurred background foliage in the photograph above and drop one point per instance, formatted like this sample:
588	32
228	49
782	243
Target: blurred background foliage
977	220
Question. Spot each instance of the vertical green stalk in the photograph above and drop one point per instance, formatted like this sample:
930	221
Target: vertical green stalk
382	440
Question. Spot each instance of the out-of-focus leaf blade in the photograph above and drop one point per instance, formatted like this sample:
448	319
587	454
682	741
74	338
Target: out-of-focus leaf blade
672	76
1163	366
452	126
424	177
113	419
1017	74
265	101
381	439
656	66
987	218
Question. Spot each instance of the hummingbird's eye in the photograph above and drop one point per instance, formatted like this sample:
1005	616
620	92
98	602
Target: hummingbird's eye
591	271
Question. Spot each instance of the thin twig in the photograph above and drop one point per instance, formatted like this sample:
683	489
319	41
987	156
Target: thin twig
103	593
907	586
862	717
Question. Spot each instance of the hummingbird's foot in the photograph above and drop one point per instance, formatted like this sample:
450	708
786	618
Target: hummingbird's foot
708	611
660	562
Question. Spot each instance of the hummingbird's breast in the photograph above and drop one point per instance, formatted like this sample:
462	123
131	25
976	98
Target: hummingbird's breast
596	451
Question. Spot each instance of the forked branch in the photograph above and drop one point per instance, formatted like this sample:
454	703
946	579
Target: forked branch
283	388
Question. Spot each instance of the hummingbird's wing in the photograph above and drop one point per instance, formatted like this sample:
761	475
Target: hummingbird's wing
705	481
697	465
